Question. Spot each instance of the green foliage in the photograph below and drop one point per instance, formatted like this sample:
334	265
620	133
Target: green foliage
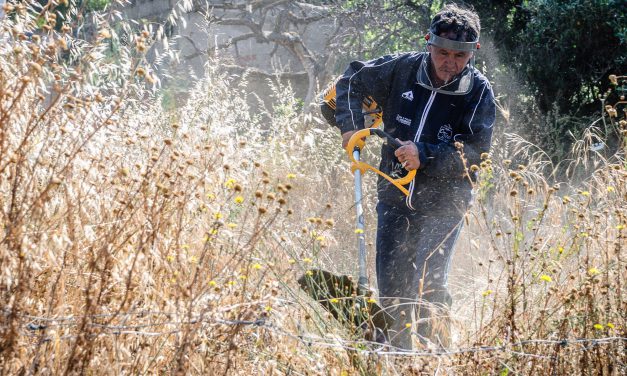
564	50
96	5
554	59
388	26
569	48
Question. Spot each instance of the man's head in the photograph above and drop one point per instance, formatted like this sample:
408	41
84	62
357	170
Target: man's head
451	25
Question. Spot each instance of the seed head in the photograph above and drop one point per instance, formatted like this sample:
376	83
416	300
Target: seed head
35	68
104	33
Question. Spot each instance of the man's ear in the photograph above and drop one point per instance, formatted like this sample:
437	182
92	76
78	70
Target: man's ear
429	48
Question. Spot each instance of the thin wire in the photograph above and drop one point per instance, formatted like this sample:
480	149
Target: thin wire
337	343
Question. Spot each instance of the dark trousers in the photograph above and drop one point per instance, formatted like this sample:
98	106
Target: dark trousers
414	251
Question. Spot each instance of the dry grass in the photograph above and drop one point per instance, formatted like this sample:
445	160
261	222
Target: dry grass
136	240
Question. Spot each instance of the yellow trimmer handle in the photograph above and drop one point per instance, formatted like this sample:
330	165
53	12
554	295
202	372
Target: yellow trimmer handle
358	141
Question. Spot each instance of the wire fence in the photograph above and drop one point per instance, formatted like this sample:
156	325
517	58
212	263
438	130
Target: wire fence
41	324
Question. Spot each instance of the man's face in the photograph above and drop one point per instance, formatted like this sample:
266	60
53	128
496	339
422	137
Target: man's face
448	63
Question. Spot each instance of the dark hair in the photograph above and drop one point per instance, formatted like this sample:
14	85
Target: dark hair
464	22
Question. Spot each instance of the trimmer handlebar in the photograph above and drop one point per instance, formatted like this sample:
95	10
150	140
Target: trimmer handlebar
357	143
389	139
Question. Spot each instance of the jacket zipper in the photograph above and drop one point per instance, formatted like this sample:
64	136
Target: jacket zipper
423	120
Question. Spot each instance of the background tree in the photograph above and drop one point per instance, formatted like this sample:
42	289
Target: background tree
558	55
355	29
548	59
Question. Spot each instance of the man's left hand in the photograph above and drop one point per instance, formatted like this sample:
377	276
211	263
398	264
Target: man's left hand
407	154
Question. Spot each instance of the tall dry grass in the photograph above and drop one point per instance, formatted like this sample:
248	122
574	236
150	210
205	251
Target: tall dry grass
142	241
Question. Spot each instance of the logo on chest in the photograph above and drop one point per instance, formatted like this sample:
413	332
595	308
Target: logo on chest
445	133
409	95
403	120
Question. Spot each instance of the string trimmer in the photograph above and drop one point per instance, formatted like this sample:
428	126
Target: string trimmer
347	302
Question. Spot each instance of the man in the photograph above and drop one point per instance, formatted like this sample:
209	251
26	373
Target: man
441	108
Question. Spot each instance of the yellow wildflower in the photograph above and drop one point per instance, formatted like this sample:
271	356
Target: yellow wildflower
217	215
212	283
487	292
231	225
291	176
546	278
598	326
239	199
230	183
610	189
257	266
334	300
359	231
408	325
307	260
610	325
593	271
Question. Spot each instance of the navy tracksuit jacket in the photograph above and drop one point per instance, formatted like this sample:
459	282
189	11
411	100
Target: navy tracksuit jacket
415	235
